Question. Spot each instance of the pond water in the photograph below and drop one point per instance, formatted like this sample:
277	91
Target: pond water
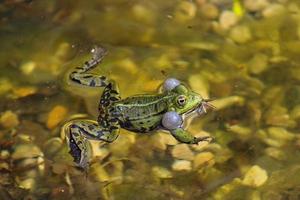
243	54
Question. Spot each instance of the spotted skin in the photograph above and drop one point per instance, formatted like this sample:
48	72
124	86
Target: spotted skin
75	150
139	113
80	76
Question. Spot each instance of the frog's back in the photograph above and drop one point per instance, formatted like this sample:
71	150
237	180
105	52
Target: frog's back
142	113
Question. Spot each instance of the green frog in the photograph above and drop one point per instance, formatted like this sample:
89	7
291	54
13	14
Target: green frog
140	113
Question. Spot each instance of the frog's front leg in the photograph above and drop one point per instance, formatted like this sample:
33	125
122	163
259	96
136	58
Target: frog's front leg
172	121
78	134
185	137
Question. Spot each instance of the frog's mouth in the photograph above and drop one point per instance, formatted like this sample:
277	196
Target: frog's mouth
202	108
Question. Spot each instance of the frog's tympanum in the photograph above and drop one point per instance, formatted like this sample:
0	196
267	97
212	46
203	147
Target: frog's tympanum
140	113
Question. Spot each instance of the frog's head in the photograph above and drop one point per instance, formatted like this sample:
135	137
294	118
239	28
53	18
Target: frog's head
185	100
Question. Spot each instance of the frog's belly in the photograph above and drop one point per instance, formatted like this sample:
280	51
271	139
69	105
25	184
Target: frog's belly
142	125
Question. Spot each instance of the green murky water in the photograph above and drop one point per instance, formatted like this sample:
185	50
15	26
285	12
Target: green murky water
243	54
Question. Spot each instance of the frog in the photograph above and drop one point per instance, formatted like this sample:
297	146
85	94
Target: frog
142	113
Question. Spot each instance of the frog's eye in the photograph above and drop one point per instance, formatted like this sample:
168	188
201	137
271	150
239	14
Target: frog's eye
181	100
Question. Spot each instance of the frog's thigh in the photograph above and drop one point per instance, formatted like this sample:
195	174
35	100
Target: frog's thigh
109	95
91	130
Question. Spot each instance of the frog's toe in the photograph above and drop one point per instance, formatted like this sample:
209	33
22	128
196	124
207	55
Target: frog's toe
170	84
202	139
98	52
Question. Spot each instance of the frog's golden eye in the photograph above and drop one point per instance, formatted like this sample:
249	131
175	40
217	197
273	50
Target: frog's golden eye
181	100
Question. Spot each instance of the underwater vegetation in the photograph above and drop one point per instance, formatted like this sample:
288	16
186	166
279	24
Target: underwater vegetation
243	54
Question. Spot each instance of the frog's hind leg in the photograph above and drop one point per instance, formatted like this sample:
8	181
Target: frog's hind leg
109	96
80	76
79	132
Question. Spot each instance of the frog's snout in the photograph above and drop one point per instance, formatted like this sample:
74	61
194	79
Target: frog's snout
199	99
204	106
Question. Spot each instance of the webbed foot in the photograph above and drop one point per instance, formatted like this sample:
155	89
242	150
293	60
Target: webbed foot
79	132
